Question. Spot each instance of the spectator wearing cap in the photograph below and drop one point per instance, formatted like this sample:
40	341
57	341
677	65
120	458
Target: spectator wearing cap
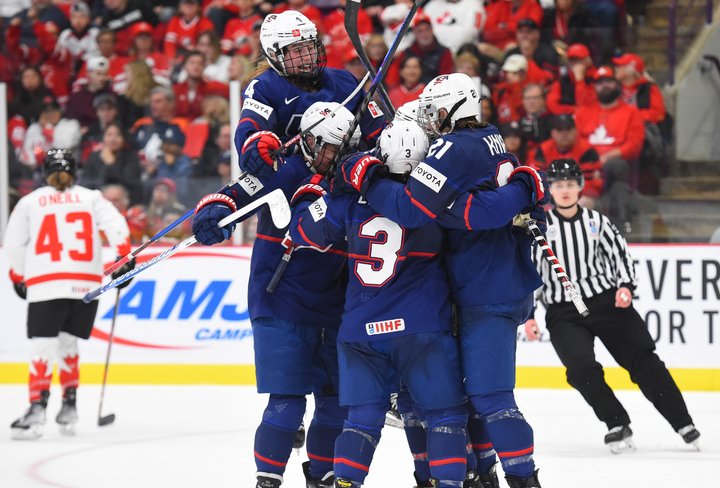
122	15
617	131
565	143
106	45
535	123
512	135
162	202
81	38
143	47
336	40
637	90
189	95
574	88
133	104
508	94
80	104
42	11
235	38
106	111
148	130
569	21
312	13
50	131
456	22
410	87
115	162
501	24
435	59
184	29
539	54
173	164
54	61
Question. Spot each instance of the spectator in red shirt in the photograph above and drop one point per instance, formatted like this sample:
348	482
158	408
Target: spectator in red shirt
569	21
538	54
43	11
80	105
535	123
575	87
410	87
184	29
237	32
435	59
565	143
502	19
190	94
143	47
219	12
106	44
122	15
508	94
304	8
336	40
637	90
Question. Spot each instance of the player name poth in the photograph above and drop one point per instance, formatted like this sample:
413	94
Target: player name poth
385	326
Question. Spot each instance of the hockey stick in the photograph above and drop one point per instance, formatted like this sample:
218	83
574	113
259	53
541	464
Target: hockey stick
296	138
557	268
108	419
167	229
279	212
351	14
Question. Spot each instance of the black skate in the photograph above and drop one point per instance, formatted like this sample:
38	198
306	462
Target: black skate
690	435
392	417
268	480
487	480
67	418
420	483
299	441
341	483
29	426
327	481
619	439
531	482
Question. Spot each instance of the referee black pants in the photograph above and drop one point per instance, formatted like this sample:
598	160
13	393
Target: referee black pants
626	337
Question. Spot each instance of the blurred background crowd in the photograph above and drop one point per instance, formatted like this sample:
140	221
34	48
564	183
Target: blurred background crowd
139	89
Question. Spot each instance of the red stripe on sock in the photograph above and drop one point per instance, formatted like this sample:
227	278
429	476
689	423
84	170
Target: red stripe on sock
351	464
516	453
483	446
320	458
441	462
270	461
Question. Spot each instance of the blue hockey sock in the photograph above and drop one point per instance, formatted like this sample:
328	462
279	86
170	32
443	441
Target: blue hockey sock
355	447
416	436
482	448
274	438
509	432
447	445
326	426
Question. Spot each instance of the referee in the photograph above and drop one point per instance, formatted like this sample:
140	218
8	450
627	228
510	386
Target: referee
597	261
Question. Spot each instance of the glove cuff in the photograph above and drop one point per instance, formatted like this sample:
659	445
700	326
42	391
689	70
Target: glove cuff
16	278
536	186
216	198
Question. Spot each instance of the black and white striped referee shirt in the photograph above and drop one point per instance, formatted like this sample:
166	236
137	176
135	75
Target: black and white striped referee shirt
592	252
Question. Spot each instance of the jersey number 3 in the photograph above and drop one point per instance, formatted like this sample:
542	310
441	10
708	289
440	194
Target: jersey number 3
48	241
383	252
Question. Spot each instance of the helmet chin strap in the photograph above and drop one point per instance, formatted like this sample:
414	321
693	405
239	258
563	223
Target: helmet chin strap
448	117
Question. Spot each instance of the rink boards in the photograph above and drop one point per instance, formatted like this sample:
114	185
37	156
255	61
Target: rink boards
185	321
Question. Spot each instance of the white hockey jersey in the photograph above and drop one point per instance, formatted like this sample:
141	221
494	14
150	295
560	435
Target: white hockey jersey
53	241
456	23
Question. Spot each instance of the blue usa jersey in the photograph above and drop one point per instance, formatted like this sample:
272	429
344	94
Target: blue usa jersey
312	289
485	267
398	282
272	103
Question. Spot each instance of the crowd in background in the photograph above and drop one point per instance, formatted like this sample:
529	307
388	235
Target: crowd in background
139	90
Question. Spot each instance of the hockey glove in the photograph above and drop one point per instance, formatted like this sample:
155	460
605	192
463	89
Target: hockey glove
536	181
313	188
256	158
129	266
208	213
18	284
358	171
536	213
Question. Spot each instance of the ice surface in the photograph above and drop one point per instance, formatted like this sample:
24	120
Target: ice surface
202	436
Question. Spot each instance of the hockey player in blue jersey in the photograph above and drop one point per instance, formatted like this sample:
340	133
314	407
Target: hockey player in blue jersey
397	321
491	273
292	78
294	328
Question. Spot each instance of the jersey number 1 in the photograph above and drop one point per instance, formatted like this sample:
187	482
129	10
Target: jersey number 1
48	241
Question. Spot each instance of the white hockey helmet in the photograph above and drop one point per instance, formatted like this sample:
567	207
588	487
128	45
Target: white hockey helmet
332	130
278	34
402	146
407	112
456	94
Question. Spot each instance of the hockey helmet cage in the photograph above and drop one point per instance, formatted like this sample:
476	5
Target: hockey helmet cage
331	130
291	45
402	146
565	169
456	94
59	160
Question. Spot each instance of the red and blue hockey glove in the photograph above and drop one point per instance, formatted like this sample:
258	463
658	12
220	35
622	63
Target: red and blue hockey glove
129	266
358	171
208	213
536	180
256	158
312	188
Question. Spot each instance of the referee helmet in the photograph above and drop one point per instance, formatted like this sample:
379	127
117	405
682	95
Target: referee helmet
565	169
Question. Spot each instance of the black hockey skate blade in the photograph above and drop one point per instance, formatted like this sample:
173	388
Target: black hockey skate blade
106	420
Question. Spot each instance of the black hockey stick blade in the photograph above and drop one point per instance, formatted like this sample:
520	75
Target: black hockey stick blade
106	420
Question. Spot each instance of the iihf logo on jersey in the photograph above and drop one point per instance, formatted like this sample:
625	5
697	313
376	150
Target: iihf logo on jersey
385	326
593	227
